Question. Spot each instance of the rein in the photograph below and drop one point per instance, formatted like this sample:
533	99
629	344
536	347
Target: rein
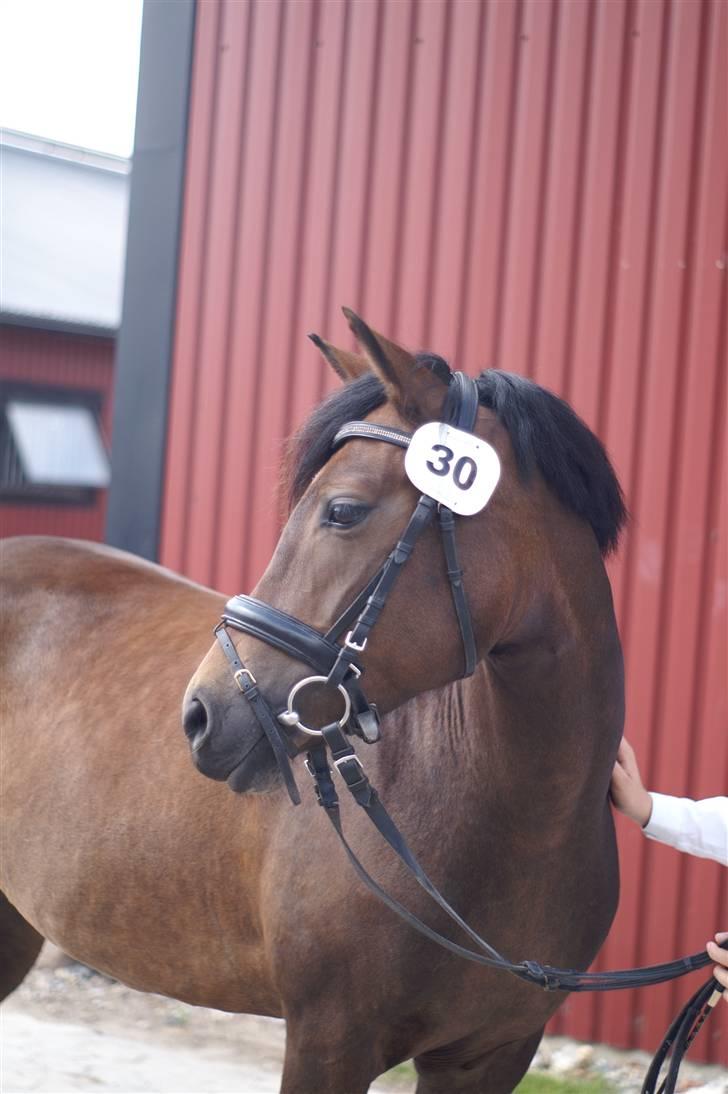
335	666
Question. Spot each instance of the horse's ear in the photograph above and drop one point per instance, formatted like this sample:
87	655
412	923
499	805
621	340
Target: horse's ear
349	366
416	387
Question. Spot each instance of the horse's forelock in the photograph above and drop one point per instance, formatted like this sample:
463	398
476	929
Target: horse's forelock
312	446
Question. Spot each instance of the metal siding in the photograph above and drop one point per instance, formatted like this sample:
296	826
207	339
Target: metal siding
535	185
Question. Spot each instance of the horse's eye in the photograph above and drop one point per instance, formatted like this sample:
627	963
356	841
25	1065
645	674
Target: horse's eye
345	514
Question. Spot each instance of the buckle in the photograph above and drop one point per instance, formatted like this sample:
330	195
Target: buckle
352	771
352	645
323	785
338	764
244	672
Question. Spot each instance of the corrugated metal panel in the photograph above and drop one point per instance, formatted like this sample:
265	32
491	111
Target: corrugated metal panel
537	184
54	359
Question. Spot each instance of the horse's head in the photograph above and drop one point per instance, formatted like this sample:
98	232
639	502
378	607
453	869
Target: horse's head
350	503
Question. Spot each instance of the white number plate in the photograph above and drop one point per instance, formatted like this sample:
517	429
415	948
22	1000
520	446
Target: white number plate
453	467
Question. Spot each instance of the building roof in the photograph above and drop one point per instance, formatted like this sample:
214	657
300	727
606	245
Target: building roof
63	214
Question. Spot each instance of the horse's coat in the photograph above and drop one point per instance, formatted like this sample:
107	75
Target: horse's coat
116	849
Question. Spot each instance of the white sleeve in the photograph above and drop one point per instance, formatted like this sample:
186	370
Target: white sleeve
697	827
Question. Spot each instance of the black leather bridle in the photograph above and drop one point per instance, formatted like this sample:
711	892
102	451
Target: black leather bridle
335	666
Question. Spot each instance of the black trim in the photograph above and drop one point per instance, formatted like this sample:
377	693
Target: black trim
64	326
52	393
145	343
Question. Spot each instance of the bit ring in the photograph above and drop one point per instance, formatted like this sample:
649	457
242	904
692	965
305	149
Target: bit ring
290	717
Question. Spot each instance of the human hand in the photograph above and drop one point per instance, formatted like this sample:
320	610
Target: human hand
626	789
716	953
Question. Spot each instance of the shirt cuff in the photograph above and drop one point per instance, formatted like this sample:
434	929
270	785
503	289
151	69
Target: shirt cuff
665	813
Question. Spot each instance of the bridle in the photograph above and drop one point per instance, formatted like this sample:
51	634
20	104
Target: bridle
335	666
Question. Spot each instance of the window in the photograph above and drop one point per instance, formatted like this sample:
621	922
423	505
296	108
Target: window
51	447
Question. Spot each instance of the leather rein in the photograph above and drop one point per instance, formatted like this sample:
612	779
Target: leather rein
335	666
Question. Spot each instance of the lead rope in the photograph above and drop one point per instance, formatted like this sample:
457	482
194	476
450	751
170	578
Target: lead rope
352	772
680	1037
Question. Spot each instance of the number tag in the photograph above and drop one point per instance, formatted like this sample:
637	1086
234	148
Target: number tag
453	467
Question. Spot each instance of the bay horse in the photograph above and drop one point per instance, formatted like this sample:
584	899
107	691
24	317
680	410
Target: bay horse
117	850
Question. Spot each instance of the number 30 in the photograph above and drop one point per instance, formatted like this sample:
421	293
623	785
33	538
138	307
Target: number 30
464	471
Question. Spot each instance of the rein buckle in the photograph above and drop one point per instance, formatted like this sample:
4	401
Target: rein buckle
349	758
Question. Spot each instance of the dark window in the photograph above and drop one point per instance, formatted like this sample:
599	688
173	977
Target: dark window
51	447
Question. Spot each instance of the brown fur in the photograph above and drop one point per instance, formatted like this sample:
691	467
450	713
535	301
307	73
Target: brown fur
116	849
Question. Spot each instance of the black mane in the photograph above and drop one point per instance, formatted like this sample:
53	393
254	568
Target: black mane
545	433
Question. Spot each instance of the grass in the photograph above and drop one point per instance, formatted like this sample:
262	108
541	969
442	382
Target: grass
545	1084
533	1083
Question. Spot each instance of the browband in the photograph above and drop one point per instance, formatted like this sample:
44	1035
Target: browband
460	410
370	431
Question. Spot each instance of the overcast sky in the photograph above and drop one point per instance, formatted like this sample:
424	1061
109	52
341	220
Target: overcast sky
69	68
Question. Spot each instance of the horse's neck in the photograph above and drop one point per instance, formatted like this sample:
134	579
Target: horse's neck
532	732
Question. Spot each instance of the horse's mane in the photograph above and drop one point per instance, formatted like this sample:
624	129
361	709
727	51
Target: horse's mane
545	433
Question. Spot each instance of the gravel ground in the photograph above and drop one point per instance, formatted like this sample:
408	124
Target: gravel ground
67	1029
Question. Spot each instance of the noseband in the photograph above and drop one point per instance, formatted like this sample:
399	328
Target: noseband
335	665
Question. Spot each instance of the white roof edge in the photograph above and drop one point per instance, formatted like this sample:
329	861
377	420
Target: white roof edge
45	146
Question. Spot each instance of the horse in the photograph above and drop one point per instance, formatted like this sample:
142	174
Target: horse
119	851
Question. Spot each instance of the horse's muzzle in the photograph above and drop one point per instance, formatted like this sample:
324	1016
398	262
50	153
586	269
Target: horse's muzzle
215	747
226	743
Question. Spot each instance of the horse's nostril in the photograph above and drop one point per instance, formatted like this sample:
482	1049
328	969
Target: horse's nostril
196	724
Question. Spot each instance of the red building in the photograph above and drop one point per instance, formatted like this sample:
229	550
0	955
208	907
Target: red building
534	184
63	230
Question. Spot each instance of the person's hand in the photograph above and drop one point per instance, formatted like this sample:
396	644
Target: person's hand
627	790
716	953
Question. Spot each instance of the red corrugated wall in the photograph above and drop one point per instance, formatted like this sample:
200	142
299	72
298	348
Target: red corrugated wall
56	359
539	185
